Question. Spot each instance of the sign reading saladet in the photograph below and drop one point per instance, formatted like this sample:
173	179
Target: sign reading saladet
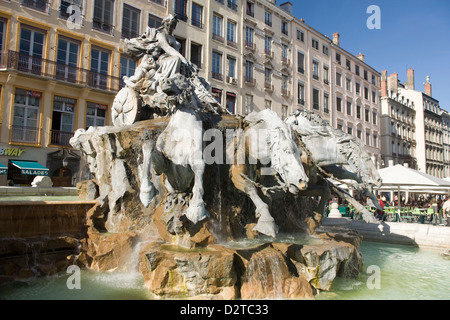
12	152
34	172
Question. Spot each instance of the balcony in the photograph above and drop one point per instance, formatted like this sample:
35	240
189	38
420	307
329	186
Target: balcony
24	134
285	61
285	92
250	45
49	69
268	86
217	76
102	26
217	37
250	80
61	138
268	53
231	43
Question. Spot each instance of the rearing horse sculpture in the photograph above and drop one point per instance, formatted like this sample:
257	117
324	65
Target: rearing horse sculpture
335	154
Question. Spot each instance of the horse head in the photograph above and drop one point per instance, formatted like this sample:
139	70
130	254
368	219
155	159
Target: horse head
283	153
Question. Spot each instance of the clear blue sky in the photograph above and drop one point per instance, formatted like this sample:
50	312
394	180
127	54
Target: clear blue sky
414	34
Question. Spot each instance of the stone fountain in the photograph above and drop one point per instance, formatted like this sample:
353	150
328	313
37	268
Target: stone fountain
204	203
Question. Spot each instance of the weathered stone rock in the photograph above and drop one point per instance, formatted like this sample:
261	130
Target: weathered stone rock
42	181
87	190
176	272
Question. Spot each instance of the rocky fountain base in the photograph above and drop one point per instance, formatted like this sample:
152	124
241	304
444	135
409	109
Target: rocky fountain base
221	257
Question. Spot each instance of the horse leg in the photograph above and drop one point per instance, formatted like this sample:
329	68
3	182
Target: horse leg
196	211
147	190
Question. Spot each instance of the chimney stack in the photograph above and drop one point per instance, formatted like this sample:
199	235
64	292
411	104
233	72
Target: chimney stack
287	6
410	82
428	87
336	38
361	57
384	89
393	83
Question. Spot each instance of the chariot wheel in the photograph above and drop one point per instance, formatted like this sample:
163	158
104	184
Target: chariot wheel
127	108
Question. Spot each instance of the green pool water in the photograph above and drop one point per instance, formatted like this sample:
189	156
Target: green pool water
405	273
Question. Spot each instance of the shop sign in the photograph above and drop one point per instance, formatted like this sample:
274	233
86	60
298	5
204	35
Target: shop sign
34	172
12	152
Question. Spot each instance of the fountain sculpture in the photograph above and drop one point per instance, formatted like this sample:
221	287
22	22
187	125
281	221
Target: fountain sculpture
181	184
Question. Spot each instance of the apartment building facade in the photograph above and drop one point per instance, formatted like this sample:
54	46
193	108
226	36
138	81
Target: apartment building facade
280	62
414	126
62	63
61	66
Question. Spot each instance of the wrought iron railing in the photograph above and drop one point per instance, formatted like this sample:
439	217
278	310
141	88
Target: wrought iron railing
63	72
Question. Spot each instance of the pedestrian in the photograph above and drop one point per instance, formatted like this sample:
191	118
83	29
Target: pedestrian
380	213
446	210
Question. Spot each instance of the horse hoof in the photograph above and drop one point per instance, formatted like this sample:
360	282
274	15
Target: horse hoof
196	213
269	228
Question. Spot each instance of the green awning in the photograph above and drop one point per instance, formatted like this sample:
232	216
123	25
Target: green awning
3	169
31	168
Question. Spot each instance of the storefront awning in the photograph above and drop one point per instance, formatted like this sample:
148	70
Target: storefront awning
3	169
31	168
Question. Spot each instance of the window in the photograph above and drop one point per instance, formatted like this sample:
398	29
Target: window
373	80
338	79
300	62
348	84
374	97
99	67
268	45
315	44
268	78
231	68
67	59
325	50
284	85
249	32
2	34
217	27
217	65
316	70
284	54
232	4
248	104
365	75
348	64
325	75
316	99
31	50
340	126
268	18
231	33
95	114
284	27
268	104
196	19
350	130
358	88
359	133
196	54
103	15
301	93
130	22
284	112
357	70
366	93
249	71
338	58
40	5
180	9
358	112
326	103
375	140
127	68
154	21
367	115
349	108
300	35
374	117
250	9
368	138
339	104
65	6
25	126
62	120
231	102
